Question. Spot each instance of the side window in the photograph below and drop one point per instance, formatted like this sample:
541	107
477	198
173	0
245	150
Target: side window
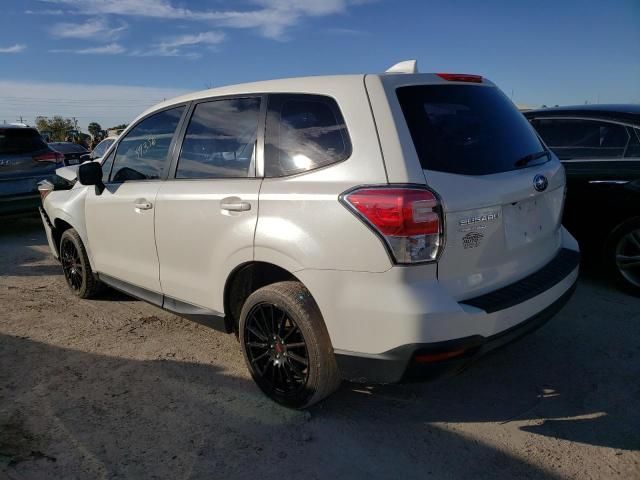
142	154
107	163
101	148
303	132
220	139
576	138
633	149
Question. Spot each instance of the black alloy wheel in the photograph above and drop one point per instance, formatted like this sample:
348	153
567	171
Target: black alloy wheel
71	264
628	257
276	349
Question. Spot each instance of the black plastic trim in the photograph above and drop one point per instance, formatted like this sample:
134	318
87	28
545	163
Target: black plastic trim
204	316
531	286
140	293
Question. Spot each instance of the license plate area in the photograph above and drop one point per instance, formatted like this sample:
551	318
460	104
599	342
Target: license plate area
529	220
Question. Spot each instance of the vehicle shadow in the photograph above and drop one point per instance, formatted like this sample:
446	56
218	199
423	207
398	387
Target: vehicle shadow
69	414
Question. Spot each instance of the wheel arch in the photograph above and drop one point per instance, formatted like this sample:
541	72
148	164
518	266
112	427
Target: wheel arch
59	227
246	279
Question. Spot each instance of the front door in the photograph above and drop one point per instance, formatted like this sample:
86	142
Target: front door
120	221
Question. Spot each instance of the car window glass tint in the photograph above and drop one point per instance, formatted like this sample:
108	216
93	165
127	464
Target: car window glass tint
101	148
142	154
20	140
466	129
220	139
633	149
303	132
578	138
106	167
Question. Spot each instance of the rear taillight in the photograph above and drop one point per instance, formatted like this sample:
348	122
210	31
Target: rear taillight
53	157
408	219
460	77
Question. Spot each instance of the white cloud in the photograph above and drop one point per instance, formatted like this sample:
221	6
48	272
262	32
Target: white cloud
106	104
270	17
16	48
110	49
44	12
95	28
173	46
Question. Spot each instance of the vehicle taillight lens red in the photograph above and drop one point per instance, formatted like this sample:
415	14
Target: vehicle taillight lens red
53	157
460	77
408	219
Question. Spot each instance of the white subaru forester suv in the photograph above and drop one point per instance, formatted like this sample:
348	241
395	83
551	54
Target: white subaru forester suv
376	228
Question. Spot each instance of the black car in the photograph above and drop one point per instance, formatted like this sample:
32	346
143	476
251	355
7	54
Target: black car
72	151
25	160
599	146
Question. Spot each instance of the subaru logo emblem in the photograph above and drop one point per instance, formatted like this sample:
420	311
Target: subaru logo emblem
540	183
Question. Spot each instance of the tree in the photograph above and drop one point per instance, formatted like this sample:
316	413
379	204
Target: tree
94	129
58	127
118	127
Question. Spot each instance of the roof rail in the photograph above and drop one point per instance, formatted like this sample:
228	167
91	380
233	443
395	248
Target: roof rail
407	66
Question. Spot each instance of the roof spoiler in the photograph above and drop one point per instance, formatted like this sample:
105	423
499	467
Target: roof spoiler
407	66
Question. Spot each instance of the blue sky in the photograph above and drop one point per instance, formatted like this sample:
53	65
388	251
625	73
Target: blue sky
107	60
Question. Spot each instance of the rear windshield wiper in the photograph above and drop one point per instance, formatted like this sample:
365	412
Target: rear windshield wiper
531	157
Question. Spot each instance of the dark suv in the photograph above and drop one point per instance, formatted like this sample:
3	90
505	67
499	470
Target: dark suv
599	146
25	160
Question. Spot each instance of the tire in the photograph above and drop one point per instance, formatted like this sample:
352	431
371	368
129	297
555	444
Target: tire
286	345
622	255
76	267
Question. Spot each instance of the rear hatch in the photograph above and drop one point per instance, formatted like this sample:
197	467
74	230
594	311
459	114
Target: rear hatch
502	192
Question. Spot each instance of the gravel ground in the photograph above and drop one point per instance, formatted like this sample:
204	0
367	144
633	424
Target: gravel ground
116	388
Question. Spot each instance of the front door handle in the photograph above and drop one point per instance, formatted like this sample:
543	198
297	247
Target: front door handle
143	204
235	204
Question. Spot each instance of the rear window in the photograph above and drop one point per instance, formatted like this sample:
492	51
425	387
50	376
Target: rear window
68	148
20	140
468	130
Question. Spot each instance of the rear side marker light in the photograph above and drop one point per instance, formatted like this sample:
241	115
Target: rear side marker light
408	219
460	77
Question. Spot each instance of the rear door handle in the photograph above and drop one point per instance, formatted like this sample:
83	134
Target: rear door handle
235	204
143	204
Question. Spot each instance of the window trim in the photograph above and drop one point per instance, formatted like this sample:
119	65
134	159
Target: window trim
627	125
258	164
124	134
302	94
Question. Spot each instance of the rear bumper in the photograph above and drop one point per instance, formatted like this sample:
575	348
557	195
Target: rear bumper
380	322
431	360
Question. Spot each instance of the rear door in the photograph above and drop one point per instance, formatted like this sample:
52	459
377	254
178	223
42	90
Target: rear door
120	221
207	210
502	197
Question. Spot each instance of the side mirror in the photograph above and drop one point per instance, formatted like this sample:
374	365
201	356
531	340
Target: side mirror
90	173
